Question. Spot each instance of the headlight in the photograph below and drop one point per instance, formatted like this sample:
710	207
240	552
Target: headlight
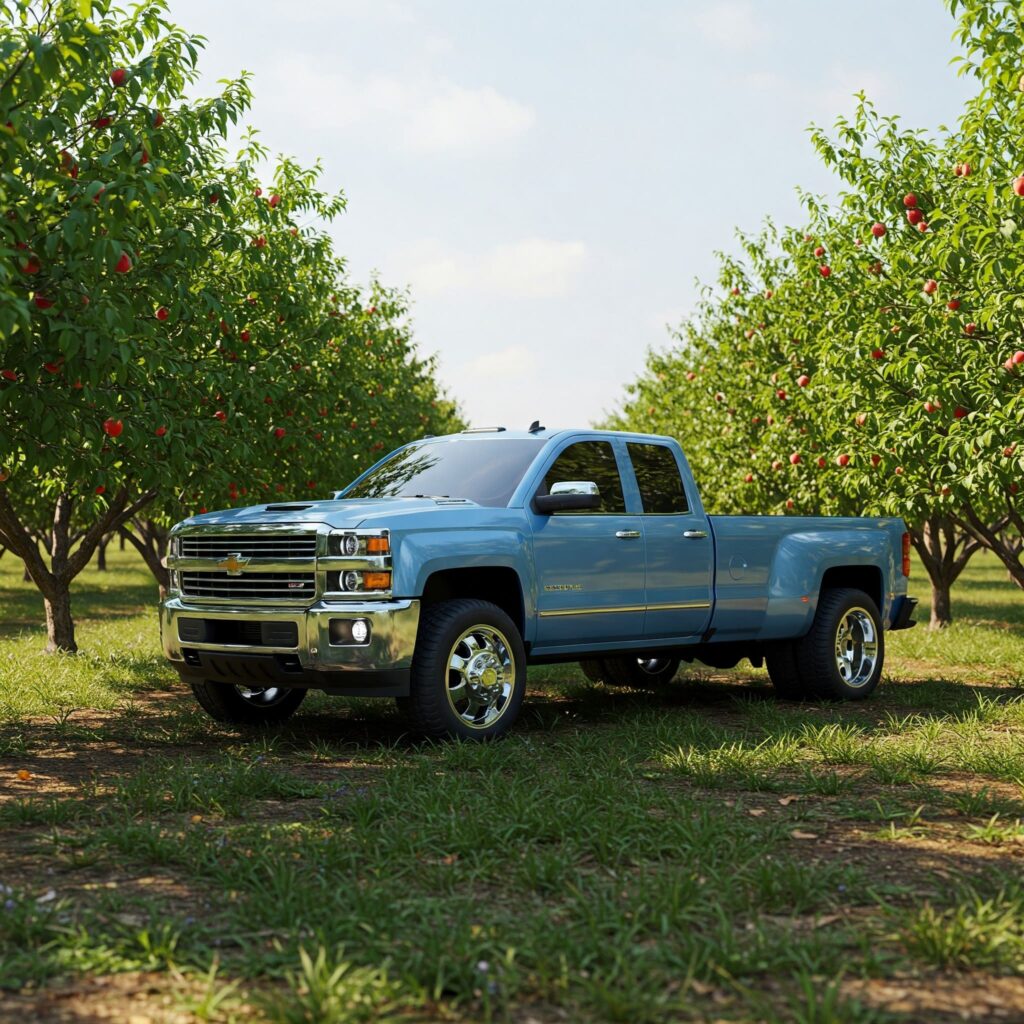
174	546
354	581
353	545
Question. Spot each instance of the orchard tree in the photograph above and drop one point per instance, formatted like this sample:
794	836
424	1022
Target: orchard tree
167	308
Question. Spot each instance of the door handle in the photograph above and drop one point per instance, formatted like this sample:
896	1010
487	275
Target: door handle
627	534
695	534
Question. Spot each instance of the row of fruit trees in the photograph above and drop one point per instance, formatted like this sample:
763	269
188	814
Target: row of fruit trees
176	330
871	360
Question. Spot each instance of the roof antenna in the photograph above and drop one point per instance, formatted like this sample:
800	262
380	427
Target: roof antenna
535	426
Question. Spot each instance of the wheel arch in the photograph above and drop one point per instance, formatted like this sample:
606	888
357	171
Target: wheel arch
498	584
867	578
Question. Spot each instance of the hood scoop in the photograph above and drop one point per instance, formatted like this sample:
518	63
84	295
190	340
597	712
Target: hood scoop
287	508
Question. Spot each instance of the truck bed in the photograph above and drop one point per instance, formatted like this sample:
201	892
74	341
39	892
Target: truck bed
768	569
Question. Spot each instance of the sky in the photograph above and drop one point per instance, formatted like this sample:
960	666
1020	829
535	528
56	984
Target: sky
551	179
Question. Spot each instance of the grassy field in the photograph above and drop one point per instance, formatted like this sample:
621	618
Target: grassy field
703	853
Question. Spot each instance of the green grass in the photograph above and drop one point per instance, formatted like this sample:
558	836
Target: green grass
704	853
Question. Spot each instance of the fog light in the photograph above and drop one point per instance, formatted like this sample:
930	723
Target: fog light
360	631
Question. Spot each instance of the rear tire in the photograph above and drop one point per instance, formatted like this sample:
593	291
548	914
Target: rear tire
638	673
239	705
842	655
780	660
468	674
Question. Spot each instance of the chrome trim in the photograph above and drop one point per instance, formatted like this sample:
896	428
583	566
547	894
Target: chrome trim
393	626
574	487
593	611
695	534
626	608
627	534
253	565
319	563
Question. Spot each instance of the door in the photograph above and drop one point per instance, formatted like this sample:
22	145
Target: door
589	564
680	549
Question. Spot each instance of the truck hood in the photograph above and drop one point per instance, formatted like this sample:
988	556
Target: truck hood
340	513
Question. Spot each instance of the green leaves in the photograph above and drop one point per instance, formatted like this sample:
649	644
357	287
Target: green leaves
110	220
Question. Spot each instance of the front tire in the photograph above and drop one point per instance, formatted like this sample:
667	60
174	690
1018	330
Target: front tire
241	705
468	674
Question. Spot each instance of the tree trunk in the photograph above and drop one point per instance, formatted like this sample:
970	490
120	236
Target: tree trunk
150	540
26	576
121	539
101	554
942	612
944	551
54	580
1004	539
60	626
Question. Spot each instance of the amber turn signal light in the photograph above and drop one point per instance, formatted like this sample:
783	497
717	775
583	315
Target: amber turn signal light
376	581
378	545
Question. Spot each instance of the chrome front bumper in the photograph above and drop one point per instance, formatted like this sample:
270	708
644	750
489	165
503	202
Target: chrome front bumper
380	664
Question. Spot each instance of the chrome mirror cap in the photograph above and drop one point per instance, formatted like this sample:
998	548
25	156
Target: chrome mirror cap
575	487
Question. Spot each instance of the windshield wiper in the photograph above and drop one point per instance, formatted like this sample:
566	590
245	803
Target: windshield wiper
436	497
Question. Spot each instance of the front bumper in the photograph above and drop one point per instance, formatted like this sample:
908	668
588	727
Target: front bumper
294	646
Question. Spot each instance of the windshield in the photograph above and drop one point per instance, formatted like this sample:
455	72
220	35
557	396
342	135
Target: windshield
484	470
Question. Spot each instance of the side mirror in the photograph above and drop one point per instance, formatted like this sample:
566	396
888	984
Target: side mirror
568	496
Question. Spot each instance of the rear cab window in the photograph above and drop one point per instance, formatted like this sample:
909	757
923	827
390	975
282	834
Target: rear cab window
659	479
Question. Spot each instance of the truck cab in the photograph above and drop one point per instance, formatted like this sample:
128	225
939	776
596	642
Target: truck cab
445	569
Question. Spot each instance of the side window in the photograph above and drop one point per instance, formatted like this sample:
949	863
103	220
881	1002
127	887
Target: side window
657	473
594	461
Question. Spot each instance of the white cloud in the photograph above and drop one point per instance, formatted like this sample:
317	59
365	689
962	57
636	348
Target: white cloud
732	24
422	112
529	268
509	364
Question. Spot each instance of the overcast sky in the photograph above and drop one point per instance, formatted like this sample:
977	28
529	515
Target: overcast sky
550	178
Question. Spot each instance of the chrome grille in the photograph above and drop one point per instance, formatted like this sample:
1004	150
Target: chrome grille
255	545
248	586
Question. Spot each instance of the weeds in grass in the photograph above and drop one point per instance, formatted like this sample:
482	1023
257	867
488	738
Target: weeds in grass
332	990
975	933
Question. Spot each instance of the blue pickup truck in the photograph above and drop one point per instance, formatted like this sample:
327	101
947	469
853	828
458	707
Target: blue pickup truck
444	570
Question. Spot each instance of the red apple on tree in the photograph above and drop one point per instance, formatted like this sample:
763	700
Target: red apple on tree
795	459
825	270
819	251
878	229
910	200
112	427
843	460
162	313
930	286
1018	185
117	77
969	329
803	380
953	304
124	264
160	431
915	216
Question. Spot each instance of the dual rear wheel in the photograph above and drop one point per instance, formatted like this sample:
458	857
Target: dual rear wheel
840	658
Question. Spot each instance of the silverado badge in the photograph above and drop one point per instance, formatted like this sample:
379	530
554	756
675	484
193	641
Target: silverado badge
234	563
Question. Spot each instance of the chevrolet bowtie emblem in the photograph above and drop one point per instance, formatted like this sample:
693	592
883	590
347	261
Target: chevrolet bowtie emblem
234	563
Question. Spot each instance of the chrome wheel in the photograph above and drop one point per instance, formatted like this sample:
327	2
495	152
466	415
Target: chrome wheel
652	666
856	647
481	676
262	697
